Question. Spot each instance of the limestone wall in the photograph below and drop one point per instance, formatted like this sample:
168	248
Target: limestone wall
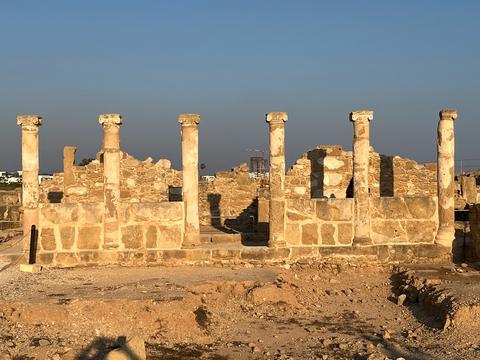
72	233
403	220
327	171
10	209
319	222
230	199
141	181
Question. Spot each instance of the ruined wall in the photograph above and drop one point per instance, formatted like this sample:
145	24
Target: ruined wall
230	199
327	171
474	235
72	233
10	209
319	222
329	222
403	220
141	181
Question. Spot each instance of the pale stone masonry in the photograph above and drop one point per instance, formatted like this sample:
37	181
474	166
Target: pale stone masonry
30	168
446	177
68	164
111	170
361	156
276	122
189	129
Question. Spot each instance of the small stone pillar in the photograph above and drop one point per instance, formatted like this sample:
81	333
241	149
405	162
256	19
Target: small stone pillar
189	131
111	177
30	166
361	157
68	164
276	122
446	178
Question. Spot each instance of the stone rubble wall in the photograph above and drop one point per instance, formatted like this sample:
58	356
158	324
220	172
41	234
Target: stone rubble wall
73	233
230	198
327	171
474	235
141	181
10	209
403	220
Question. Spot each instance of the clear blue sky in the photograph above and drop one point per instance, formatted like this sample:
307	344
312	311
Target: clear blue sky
231	62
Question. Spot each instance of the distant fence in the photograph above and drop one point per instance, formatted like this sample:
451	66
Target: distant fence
467	165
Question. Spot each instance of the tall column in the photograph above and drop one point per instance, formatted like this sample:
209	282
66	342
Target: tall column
276	122
68	163
111	177
189	131
361	156
446	178
30	166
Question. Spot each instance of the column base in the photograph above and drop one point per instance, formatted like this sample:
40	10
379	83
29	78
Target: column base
445	237
362	241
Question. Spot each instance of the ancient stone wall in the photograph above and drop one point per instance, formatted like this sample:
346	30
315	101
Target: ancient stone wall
230	199
10	209
327	171
474	235
403	220
141	181
73	233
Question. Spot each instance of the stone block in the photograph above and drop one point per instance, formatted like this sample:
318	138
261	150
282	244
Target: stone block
309	234
160	212
66	259
58	213
47	239
45	258
89	237
293	235
91	213
334	209
170	236
421	231
132	236
151	237
388	208
328	234
388	231
345	233
67	237
30	268
421	207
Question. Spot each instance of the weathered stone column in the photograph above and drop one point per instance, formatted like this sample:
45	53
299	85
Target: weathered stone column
189	130
68	163
446	178
361	154
111	177
30	166
276	121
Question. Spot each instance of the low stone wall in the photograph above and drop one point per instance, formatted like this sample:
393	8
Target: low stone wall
403	219
72	233
319	222
10	209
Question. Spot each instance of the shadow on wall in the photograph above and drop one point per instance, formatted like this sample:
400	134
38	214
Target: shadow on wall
386	176
317	172
55	197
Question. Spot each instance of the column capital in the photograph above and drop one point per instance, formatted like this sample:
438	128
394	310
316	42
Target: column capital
189	119
276	117
110	119
29	120
361	116
448	114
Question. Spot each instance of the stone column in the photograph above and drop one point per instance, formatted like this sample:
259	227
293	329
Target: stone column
111	177
189	130
361	156
276	122
68	163
446	178
30	166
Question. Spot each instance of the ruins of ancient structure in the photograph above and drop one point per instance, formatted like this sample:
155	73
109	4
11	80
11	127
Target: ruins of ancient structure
331	202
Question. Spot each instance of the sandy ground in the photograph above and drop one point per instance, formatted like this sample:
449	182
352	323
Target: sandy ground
303	311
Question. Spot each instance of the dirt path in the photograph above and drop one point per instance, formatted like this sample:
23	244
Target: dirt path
306	311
